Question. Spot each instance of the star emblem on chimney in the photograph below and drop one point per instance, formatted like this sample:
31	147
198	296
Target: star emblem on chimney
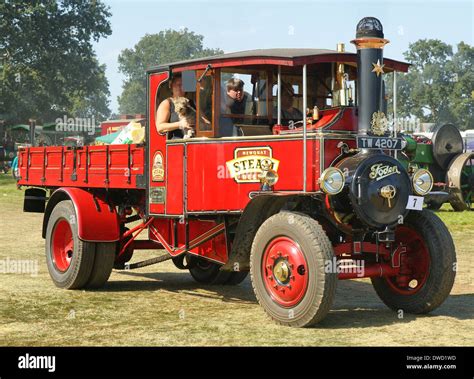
378	68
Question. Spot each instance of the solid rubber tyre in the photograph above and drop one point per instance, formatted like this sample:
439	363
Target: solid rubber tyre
311	245
103	264
436	241
70	261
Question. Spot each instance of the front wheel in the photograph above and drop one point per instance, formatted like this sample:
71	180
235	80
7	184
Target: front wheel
287	267
427	269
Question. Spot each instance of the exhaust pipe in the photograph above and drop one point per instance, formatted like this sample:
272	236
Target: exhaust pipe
369	42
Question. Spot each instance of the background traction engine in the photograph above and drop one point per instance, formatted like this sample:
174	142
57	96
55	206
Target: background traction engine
451	166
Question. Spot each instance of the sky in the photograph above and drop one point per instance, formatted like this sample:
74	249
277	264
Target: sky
244	25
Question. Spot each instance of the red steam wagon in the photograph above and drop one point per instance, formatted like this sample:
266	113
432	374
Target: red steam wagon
291	175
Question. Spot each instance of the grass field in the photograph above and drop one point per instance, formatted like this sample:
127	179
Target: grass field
161	305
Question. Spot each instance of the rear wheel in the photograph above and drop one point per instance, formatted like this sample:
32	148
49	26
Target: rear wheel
70	261
287	268
103	264
427	269
236	277
206	272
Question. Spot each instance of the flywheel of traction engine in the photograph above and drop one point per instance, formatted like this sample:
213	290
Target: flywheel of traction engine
447	143
460	178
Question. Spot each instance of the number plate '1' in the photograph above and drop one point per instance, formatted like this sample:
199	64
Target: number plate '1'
383	143
415	203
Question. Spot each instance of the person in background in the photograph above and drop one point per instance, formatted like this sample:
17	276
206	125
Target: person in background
14	165
288	111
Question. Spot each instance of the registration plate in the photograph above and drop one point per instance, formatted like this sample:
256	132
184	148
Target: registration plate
384	143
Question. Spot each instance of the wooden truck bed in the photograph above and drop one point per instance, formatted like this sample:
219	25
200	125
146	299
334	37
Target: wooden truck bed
108	166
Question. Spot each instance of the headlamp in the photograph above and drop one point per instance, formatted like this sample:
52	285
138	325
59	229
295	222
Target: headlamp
268	179
422	181
332	181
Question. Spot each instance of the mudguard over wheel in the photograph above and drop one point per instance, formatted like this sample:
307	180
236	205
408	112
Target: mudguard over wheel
70	261
287	268
427	268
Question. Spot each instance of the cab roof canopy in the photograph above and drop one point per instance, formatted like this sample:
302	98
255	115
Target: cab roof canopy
283	57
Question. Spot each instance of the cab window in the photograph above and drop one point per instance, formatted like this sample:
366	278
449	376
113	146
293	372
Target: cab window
205	91
245	102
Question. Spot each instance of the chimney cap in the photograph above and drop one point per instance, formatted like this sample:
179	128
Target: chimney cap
369	27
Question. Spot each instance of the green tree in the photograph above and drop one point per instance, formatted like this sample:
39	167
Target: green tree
462	94
154	49
438	86
49	68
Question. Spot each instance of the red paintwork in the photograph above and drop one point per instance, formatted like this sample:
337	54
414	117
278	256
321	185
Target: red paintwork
186	176
112	127
286	293
128	238
366	247
157	142
375	270
414	264
93	224
54	166
162	231
334	119
62	245
323	58
174	177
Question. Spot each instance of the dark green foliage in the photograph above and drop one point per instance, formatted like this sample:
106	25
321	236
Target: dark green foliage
49	68
439	85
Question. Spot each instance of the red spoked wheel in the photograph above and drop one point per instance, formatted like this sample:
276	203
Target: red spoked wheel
414	263
287	268
62	245
285	271
427	268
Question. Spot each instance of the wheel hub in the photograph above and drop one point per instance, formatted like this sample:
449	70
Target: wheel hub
284	270
414	264
62	245
281	271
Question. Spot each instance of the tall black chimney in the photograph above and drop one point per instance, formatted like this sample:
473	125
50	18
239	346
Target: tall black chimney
370	43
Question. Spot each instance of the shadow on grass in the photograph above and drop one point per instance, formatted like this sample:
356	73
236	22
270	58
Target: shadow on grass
356	304
456	306
182	282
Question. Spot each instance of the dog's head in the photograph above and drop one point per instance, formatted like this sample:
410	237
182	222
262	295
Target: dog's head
181	105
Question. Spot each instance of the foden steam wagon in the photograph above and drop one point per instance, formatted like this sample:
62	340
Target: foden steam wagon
276	162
